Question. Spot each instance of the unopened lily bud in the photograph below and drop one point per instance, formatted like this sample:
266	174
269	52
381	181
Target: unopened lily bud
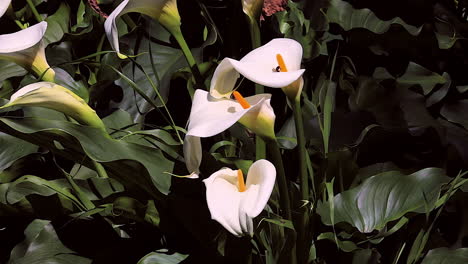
56	97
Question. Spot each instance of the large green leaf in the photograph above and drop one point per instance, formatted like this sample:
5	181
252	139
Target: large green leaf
456	112
415	74
166	60
42	245
159	257
343	13
446	256
10	69
385	197
13	149
79	141
57	24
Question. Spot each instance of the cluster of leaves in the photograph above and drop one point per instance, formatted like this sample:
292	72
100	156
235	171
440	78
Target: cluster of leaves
384	117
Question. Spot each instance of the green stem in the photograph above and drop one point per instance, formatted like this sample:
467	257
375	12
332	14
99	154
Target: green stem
34	11
285	202
99	169
81	195
255	38
177	33
20	25
304	181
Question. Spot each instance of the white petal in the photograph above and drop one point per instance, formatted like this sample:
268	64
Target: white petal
4	6
223	199
192	154
260	182
259	66
265	74
110	26
151	8
22	39
245	220
290	50
224	79
210	116
30	88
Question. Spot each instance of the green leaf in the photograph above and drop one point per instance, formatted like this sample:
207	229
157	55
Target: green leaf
385	197
346	246
10	69
162	258
57	24
42	245
83	17
415	74
343	13
456	112
30	184
446	256
13	149
167	60
80	141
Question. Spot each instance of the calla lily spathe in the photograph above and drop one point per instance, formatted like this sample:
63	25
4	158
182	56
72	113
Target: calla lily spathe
164	11
233	205
260	66
252	8
4	4
56	97
210	116
26	49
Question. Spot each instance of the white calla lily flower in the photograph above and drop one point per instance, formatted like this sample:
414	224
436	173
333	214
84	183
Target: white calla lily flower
56	97
233	203
164	11
210	116
26	49
4	4
276	64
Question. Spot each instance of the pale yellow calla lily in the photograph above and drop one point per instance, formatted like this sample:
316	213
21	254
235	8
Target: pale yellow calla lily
233	203
26	49
53	96
164	11
276	64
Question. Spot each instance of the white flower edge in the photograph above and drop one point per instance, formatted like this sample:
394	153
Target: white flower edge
192	155
4	4
151	8
234	210
22	39
210	116
259	66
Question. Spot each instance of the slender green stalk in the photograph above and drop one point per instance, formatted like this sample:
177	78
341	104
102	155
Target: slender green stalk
99	169
177	33
304	180
81	195
20	25
255	38
285	202
34	11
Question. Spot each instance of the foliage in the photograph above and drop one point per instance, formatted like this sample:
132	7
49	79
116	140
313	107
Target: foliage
370	155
